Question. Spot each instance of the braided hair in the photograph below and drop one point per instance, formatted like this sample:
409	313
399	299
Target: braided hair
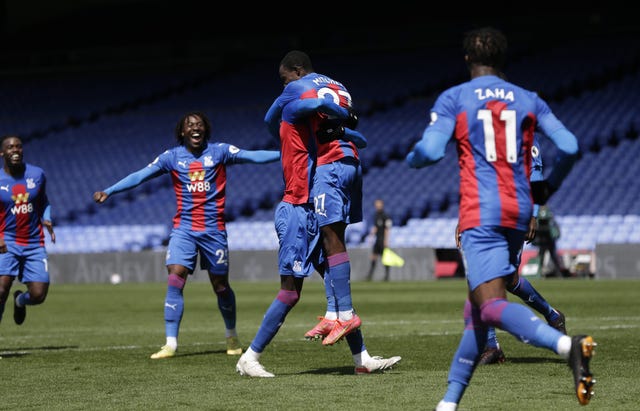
486	46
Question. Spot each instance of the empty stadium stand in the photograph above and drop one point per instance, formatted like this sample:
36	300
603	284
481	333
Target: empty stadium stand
89	130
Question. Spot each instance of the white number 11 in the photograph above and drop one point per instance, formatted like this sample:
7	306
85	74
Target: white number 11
509	119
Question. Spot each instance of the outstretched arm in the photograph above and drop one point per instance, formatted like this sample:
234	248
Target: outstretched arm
127	183
257	156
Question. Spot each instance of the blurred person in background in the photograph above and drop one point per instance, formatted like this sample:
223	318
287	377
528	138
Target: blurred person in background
198	172
25	211
547	234
380	231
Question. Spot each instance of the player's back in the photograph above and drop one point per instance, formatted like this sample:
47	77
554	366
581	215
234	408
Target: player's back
299	146
495	122
334	150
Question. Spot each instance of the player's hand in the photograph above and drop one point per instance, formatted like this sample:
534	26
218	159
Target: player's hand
458	239
3	246
49	226
351	121
533	227
410	158
329	132
100	197
541	191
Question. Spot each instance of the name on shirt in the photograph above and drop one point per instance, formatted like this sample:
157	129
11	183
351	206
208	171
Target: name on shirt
325	80
498	93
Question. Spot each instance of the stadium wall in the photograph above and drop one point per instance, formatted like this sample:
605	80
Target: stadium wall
257	265
618	261
611	261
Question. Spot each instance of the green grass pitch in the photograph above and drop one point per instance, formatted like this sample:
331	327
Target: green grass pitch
87	348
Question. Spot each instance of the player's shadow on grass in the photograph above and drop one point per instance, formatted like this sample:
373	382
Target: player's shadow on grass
535	360
207	352
330	371
22	351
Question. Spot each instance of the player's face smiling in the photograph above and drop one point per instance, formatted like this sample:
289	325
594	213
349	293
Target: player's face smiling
193	132
12	151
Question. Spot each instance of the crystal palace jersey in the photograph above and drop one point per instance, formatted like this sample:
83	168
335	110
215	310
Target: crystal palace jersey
199	184
300	150
493	123
320	86
24	200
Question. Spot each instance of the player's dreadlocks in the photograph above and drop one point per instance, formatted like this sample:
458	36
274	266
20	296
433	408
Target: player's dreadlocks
486	46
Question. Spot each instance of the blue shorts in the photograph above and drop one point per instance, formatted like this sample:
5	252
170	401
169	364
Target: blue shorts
337	192
300	251
28	263
490	252
184	247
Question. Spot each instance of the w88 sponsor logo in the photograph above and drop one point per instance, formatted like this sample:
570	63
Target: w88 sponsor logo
22	209
199	187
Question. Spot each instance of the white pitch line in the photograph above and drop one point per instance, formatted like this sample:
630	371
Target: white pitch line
221	344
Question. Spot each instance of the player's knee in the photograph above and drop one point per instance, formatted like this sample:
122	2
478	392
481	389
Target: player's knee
37	297
491	311
289	297
174	280
220	284
513	283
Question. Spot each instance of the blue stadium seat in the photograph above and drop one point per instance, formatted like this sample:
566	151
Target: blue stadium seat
111	125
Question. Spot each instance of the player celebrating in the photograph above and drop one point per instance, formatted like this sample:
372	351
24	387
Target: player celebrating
25	209
337	195
298	118
493	123
198	172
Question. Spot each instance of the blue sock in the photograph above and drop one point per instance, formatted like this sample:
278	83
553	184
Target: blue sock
492	338
532	298
462	366
340	269
466	356
227	307
520	322
332	305
274	318
355	341
24	299
173	305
